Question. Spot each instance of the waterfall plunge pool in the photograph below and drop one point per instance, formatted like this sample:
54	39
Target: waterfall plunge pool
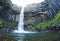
42	36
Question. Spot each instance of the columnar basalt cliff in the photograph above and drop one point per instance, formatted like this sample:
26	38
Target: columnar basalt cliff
8	15
42	15
39	12
34	14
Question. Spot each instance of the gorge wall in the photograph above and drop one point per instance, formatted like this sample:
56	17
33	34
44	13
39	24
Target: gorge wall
40	12
33	14
8	15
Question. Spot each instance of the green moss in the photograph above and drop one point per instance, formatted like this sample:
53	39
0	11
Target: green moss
13	23
47	23
1	22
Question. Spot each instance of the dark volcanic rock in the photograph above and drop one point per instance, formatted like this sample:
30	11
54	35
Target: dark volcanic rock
6	14
5	5
39	12
6	28
36	13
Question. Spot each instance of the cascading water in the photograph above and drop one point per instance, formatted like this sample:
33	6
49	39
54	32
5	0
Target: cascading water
21	20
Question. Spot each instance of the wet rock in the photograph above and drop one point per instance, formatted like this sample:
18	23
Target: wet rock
58	28
38	29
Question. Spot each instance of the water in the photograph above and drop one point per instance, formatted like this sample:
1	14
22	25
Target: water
21	20
42	36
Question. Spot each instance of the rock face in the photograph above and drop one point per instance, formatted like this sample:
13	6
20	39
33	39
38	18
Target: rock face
5	6
37	13
7	14
6	27
34	13
53	7
14	14
9	11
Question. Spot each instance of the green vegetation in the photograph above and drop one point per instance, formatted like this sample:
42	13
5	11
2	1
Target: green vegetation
1	22
14	24
47	23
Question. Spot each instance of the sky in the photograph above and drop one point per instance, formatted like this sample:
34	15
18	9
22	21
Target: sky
25	2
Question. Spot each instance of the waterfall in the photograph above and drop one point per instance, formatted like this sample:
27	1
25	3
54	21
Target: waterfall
21	20
21	23
23	3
